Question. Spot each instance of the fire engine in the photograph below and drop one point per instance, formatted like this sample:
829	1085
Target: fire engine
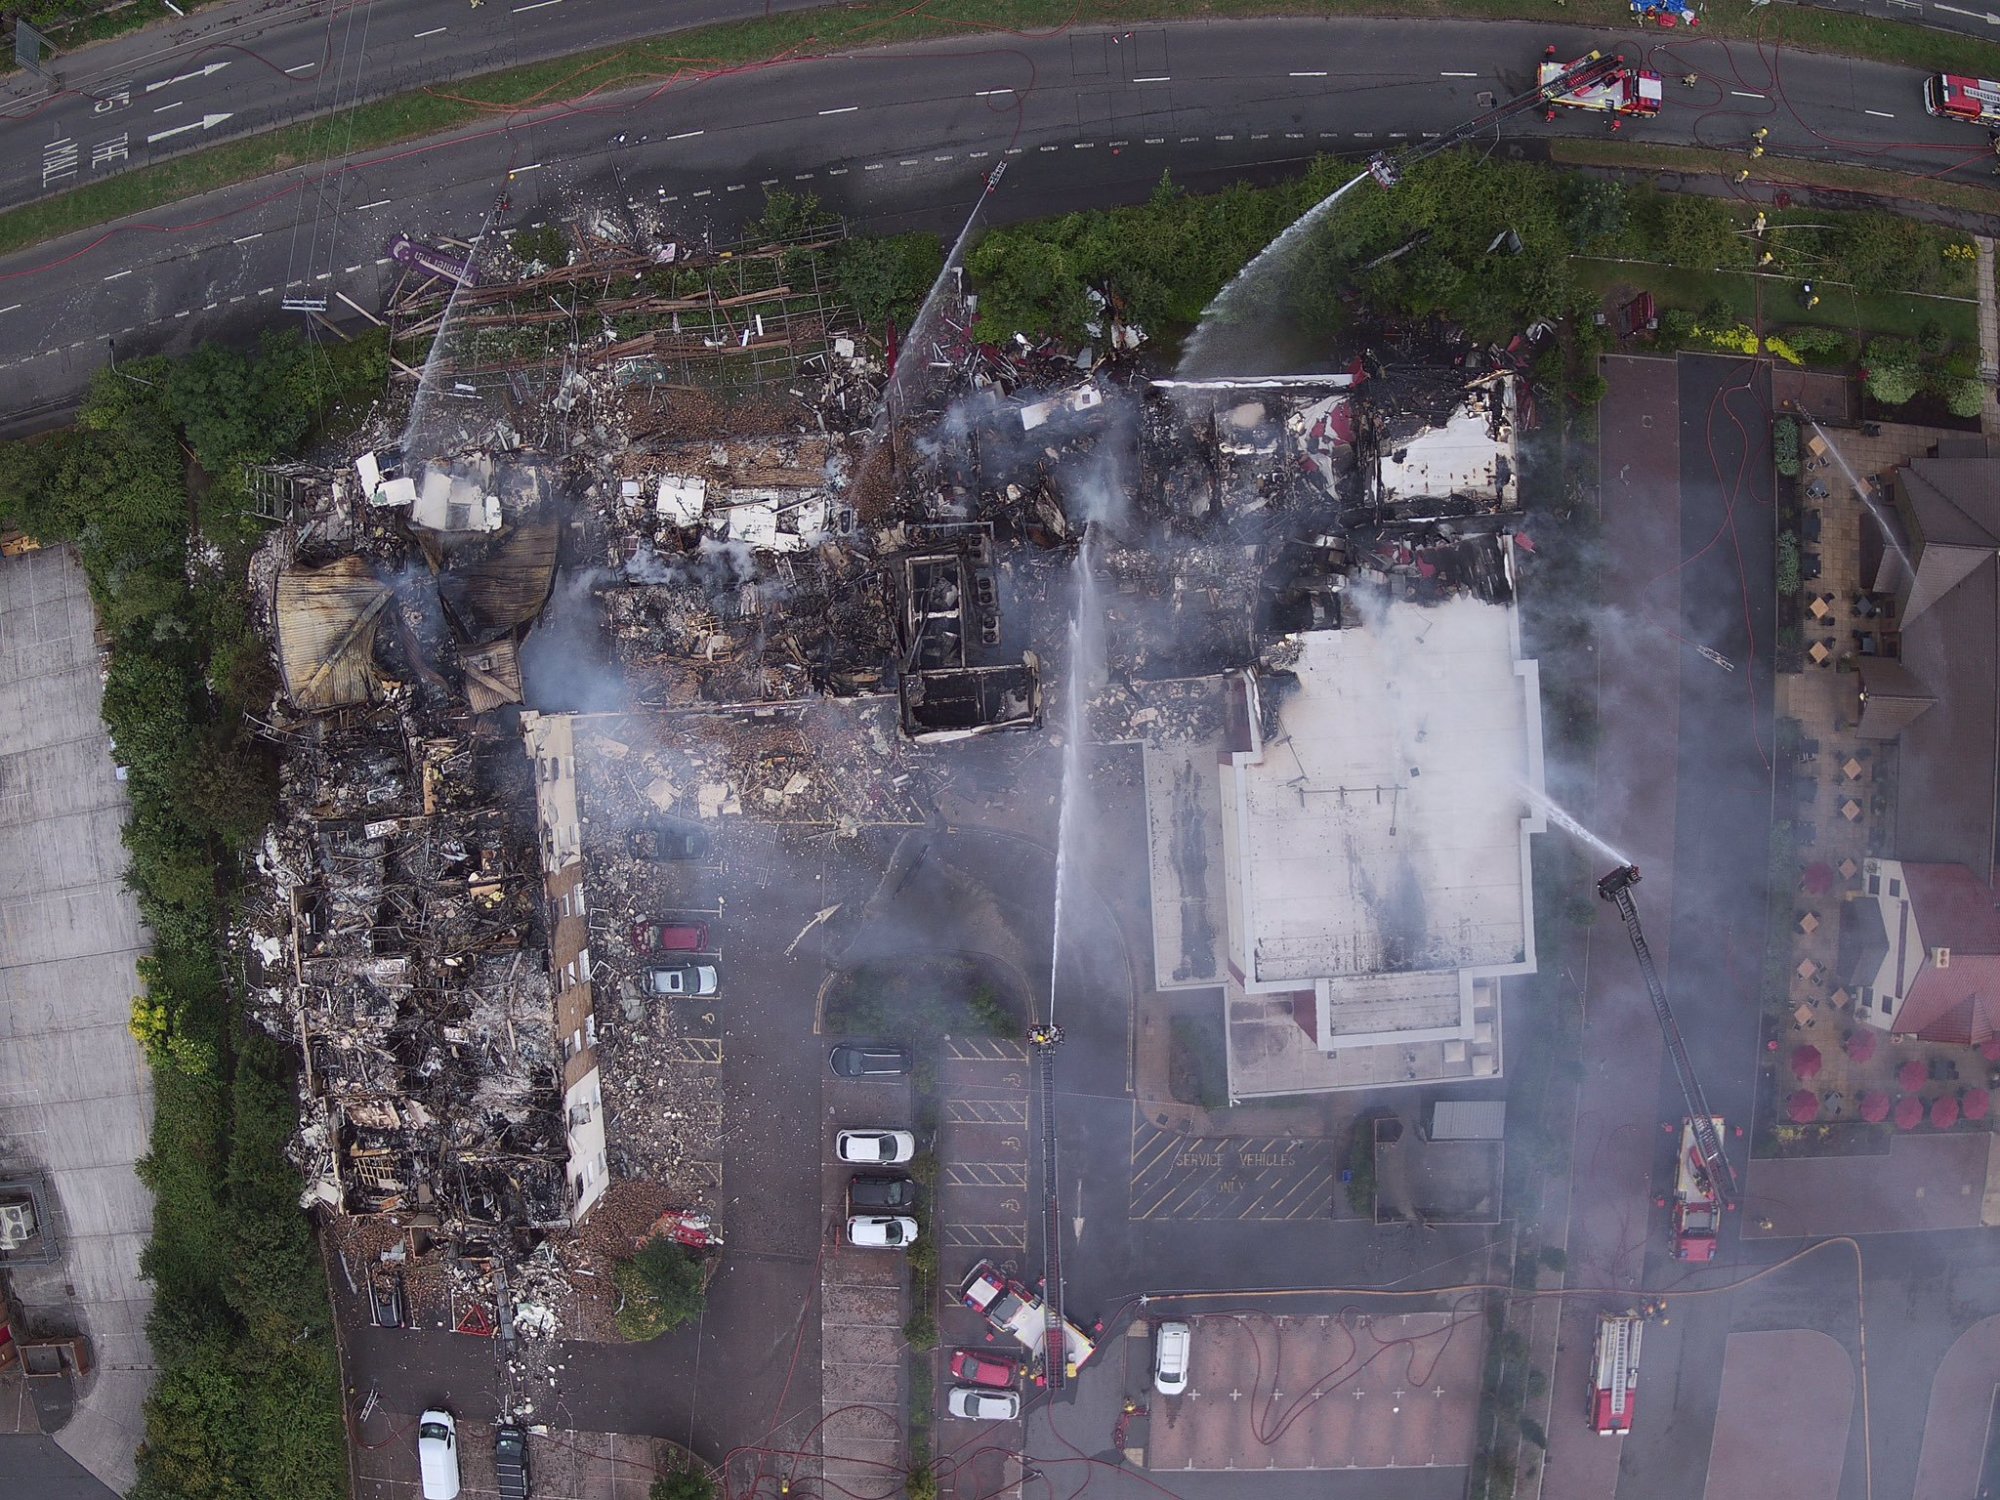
1614	90
1951	97
1614	1373
1697	1204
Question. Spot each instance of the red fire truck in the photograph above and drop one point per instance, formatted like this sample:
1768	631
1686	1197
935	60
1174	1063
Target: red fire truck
1614	1373
1615	90
1950	97
1697	1203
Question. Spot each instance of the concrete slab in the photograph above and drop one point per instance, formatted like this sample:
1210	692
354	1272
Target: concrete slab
1781	1428
75	1097
1925	1182
1955	1426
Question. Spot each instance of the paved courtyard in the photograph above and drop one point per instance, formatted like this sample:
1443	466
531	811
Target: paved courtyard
1781	1429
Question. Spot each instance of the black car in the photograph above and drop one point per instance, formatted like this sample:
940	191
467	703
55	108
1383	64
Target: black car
869	1062
867	1192
669	841
510	1462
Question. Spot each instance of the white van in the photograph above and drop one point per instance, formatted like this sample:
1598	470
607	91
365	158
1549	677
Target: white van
437	1455
1171	1342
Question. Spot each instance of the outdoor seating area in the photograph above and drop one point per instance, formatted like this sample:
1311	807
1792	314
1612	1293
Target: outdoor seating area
1830	1065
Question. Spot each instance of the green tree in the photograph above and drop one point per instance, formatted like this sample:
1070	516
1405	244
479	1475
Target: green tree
884	278
1699	233
1593	210
664	1287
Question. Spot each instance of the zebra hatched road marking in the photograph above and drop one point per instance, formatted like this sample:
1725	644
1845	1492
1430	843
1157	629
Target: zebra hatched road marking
984	1049
986	1111
986	1174
987	1236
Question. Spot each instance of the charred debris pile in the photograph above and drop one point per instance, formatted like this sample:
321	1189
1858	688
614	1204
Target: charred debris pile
665	559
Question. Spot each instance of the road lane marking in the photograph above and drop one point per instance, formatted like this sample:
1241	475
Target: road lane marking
704	192
11	307
1745	94
301	67
434	31
116	274
248	238
873	166
1458	75
214	67
686	135
265	291
1157	78
1313	73
989	93
533	166
837	171
165	107
182	313
537	5
1880	114
350	270
845	109
378	203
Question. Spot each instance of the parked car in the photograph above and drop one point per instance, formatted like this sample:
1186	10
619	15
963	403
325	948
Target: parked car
882	1231
874	1148
973	1368
510	1461
682	979
437	1455
869	1062
983	1406
670	937
868	1192
1171	1345
669	841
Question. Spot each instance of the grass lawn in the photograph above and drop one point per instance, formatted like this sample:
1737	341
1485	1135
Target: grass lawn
1776	172
690	54
1842	307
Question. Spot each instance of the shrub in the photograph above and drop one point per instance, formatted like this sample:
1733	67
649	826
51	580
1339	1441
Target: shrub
1677	326
920	1331
1788	564
547	246
1964	395
1893	385
1785	445
689	1483
1932	340
663	1286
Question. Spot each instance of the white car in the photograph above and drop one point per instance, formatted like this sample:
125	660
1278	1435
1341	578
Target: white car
983	1406
874	1148
882	1231
437	1455
1171	1343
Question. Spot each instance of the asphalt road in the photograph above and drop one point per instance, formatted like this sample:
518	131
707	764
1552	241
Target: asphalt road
243	68
896	138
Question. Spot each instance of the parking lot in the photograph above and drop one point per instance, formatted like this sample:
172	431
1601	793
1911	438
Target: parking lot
984	1138
1352	1390
1180	1176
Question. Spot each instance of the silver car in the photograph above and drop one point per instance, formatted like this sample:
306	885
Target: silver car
678	980
1171	1345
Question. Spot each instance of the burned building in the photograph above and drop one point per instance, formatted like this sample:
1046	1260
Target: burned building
953	680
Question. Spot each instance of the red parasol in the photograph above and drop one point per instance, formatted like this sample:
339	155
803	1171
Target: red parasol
1803	1107
1806	1061
1944	1112
1912	1075
1875	1106
1861	1045
1974	1104
1909	1113
1819	878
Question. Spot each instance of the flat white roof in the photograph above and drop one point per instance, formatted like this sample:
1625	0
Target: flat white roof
1384	827
1462	457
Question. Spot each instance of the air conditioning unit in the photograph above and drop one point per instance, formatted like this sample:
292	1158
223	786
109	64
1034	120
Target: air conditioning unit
17	1225
1941	957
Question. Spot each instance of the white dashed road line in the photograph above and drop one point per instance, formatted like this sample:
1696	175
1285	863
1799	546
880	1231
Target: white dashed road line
1314	73
116	274
1458	75
845	109
11	307
538	5
162	109
1745	94
686	135
301	67
248	238
1160	78
434	31
989	93
1880	114
378	203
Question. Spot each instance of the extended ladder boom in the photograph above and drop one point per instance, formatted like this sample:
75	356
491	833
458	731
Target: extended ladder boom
1617	889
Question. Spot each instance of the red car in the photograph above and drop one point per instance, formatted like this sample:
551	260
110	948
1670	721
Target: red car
984	1369
670	937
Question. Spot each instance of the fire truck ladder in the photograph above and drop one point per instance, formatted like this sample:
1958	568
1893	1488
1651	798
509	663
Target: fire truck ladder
1387	166
1055	1353
1617	889
1621	1365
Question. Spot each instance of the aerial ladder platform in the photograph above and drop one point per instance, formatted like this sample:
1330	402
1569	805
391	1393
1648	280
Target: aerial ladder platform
1617	889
